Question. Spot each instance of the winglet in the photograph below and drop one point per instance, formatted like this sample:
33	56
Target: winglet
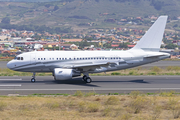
151	41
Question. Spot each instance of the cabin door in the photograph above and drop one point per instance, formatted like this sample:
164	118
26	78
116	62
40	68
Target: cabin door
33	58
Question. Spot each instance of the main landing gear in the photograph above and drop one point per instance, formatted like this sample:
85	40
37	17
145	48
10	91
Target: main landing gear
87	79
33	77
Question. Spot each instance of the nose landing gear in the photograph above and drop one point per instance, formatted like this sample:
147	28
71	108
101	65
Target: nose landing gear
33	78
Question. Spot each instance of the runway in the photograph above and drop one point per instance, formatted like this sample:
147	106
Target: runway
100	84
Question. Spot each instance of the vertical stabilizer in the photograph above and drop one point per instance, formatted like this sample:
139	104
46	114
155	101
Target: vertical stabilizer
151	41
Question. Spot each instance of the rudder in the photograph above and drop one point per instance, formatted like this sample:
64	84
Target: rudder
152	39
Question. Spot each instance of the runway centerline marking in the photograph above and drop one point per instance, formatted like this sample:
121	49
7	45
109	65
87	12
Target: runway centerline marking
10	79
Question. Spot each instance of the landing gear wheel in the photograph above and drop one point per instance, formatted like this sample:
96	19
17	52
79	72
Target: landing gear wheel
33	80
88	80
84	78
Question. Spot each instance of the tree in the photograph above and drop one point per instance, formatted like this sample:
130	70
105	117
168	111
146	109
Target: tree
47	5
55	8
6	20
170	46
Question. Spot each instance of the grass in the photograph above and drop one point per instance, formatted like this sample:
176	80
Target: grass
135	105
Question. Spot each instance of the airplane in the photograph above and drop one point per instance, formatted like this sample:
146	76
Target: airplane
65	65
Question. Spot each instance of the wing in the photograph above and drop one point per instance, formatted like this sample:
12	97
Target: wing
87	64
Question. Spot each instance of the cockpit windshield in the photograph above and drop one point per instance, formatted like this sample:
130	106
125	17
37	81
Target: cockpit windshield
18	58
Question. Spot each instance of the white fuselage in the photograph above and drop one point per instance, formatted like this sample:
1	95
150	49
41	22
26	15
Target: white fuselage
92	61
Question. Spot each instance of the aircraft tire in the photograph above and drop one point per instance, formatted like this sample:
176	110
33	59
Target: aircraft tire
33	80
88	80
84	77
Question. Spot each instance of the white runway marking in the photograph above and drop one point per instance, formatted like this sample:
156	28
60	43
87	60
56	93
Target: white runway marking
10	79
10	85
93	89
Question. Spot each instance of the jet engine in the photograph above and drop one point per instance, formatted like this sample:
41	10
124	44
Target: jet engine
65	74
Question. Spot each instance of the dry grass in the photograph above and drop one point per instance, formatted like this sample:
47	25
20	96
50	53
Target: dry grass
94	107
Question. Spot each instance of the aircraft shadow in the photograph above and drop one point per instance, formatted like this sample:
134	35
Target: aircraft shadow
125	81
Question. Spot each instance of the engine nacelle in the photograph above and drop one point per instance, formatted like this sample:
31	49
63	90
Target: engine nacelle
63	74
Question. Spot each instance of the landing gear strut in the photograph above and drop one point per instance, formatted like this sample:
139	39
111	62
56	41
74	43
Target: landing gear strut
86	78
33	77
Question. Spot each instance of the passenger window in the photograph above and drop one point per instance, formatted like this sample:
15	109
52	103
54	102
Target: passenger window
44	58
21	58
69	58
91	58
41	58
38	58
62	58
52	58
65	58
57	58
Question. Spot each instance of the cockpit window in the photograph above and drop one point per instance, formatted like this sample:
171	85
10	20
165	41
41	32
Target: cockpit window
18	58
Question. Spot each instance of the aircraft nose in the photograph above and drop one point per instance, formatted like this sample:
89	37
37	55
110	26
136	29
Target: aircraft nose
9	65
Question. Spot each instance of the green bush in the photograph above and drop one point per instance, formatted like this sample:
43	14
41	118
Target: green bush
173	68
131	73
52	105
152	73
82	106
107	111
2	106
115	73
167	94
90	94
134	94
174	106
112	100
137	104
79	93
93	107
156	69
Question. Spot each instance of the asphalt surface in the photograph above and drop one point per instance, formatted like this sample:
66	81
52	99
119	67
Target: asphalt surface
100	84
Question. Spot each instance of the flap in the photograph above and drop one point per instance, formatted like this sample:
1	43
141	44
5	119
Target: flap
86	65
